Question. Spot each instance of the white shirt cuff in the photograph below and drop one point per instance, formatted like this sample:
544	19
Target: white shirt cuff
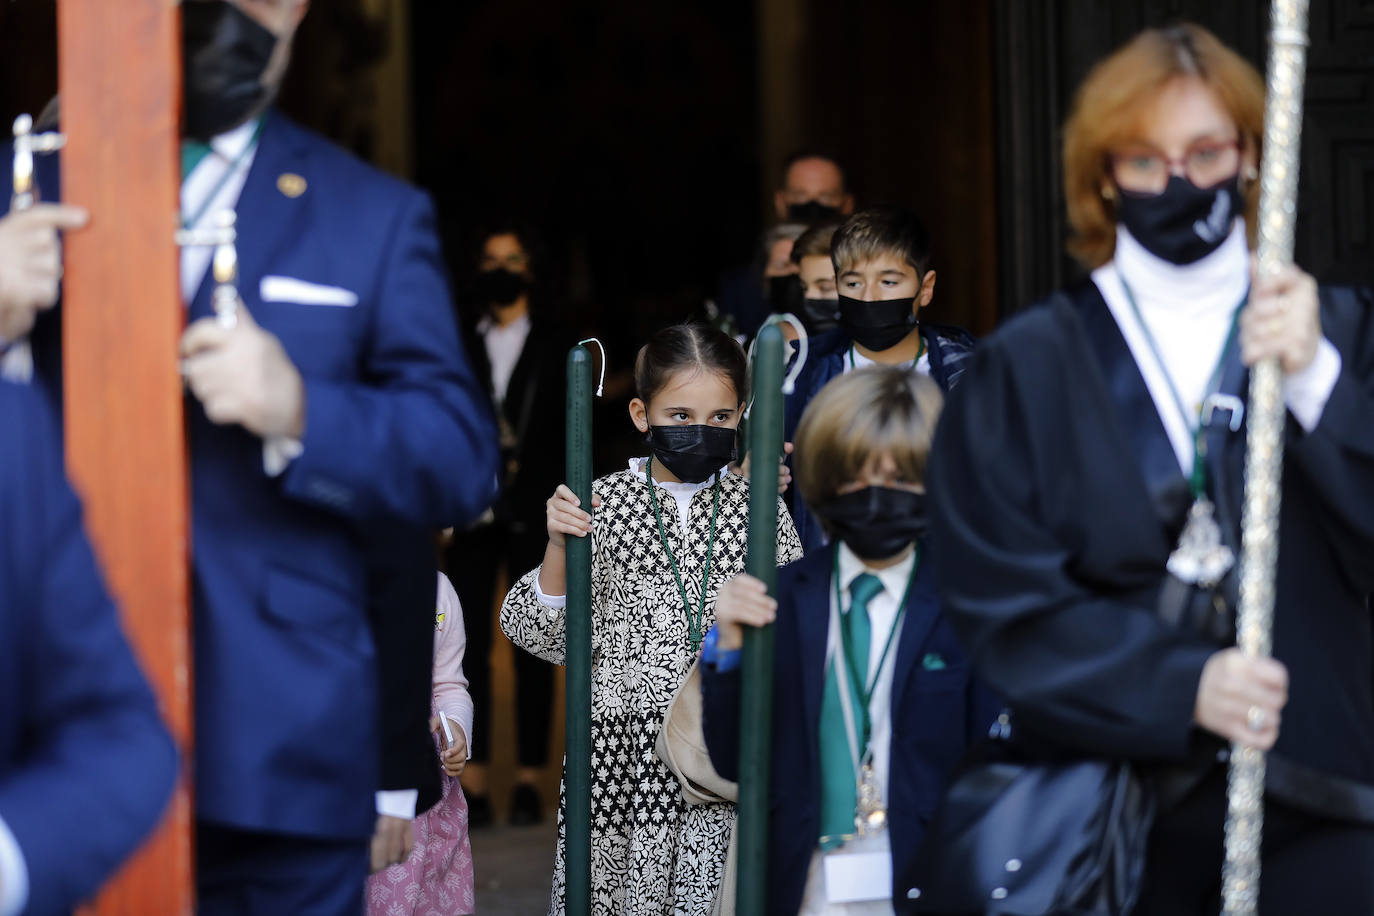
14	874
278	452
1307	392
555	602
398	803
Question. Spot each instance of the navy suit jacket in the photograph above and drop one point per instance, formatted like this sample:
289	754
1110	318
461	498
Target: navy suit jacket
397	428
85	763
936	713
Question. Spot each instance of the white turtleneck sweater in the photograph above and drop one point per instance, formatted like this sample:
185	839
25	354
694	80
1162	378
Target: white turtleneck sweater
1188	312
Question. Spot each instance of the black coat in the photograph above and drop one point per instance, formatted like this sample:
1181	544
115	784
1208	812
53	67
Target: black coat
534	409
1057	499
400	607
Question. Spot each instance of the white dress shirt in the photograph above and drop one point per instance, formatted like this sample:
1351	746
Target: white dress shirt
1188	311
882	615
213	186
504	344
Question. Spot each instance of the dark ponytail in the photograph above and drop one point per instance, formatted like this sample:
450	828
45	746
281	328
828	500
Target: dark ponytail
687	346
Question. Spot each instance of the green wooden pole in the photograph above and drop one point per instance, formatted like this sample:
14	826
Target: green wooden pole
578	761
761	562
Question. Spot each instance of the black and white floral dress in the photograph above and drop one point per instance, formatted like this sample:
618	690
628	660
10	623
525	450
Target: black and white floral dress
651	853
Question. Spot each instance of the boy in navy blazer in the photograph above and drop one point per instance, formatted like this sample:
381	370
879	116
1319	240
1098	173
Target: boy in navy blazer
874	702
86	765
337	396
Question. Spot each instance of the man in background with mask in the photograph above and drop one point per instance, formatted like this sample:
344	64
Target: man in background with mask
814	190
518	348
336	399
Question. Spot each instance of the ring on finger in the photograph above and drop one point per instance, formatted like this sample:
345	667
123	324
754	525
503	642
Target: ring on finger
1256	718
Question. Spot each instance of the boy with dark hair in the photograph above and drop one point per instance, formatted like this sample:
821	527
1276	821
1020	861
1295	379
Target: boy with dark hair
883	278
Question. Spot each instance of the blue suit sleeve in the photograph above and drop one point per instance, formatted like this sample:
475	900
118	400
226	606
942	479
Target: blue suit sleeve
720	697
415	438
100	766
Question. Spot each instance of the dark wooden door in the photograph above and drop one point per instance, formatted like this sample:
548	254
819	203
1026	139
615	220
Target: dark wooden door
1044	48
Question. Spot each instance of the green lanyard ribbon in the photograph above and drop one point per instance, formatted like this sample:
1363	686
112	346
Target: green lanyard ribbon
693	621
1197	481
856	680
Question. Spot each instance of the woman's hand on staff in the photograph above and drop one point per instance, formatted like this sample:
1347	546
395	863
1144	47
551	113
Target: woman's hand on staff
1282	321
742	602
1241	698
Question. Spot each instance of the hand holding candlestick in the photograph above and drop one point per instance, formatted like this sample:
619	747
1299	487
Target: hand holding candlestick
224	266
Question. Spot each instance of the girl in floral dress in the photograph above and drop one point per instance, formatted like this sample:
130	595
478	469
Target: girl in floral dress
666	533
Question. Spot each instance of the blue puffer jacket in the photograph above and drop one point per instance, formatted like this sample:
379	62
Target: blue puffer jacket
949	347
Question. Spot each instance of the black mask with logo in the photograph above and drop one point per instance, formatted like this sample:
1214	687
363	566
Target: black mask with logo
1184	223
880	325
498	286
876	522
693	453
224	55
812	212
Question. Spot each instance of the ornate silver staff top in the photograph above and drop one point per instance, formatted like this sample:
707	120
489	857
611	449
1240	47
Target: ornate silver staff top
1264	442
224	265
26	143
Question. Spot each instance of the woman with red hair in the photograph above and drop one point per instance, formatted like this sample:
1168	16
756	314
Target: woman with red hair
1087	483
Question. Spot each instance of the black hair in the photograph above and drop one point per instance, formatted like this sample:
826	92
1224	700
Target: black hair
524	233
878	231
686	346
812	152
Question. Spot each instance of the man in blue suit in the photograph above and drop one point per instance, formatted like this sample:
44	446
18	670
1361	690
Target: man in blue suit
337	398
86	765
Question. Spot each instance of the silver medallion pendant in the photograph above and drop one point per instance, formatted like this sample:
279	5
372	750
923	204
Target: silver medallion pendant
870	816
1201	558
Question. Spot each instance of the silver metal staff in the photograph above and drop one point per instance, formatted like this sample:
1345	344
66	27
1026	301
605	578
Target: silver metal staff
26	144
224	264
1264	442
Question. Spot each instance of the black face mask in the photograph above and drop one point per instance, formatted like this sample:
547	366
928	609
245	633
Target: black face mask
819	315
812	212
693	453
224	54
498	287
878	325
876	522
1183	224
784	293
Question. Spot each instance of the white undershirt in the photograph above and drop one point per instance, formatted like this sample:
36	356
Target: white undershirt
856	360
882	615
1188	311
504	344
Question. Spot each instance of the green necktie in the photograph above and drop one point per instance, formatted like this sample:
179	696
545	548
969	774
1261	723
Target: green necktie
838	779
192	151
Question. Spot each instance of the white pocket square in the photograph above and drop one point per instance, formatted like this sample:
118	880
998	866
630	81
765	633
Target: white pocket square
289	289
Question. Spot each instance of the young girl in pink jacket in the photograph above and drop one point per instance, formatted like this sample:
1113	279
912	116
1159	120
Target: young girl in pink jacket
436	879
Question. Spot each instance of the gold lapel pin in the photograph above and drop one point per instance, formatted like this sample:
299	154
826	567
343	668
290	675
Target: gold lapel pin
291	184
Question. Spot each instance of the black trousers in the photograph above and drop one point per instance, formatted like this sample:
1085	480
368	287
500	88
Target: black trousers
1310	866
473	561
248	873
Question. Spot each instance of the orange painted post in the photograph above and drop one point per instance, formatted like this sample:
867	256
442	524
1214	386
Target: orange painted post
120	79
